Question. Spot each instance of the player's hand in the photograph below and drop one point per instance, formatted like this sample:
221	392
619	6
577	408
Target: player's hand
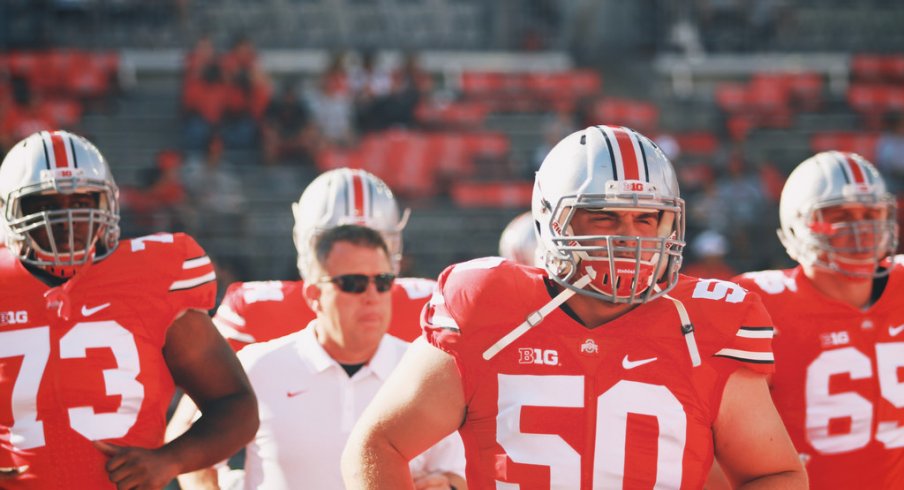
133	468
432	481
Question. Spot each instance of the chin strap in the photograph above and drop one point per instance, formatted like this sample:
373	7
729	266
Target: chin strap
535	318
687	329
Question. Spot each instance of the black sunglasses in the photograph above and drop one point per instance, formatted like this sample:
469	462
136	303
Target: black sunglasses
357	283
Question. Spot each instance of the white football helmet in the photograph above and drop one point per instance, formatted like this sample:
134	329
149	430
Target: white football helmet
609	168
834	178
346	196
58	162
519	241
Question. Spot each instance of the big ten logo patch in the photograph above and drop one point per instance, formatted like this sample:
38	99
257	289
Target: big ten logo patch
13	317
548	357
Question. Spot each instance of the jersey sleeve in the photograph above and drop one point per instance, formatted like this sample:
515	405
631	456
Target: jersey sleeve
469	296
230	318
408	299
751	344
194	282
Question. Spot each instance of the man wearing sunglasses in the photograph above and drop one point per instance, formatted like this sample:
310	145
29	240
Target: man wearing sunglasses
313	384
257	311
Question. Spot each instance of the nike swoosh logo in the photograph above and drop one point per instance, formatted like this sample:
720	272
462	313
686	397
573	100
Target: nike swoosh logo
90	311
293	394
894	331
629	364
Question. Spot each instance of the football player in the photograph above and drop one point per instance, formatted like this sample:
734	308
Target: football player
259	311
95	332
606	370
839	322
518	241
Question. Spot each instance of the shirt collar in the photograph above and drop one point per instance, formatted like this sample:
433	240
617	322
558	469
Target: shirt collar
381	364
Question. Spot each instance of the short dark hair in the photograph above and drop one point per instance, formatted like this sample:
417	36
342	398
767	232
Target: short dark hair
354	234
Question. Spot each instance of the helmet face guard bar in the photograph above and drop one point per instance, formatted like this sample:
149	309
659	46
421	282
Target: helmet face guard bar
619	272
877	238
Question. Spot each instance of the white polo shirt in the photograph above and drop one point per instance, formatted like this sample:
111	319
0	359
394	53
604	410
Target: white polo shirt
308	406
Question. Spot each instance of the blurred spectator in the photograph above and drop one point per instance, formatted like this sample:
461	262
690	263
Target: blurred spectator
890	152
742	201
203	101
370	85
248	94
26	115
411	85
288	130
709	250
211	185
159	204
201	55
332	103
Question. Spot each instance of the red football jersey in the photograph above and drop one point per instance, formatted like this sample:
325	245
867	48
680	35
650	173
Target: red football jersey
564	406
839	378
263	310
100	373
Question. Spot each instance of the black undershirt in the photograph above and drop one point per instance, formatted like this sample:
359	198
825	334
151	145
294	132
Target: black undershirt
879	284
351	369
553	291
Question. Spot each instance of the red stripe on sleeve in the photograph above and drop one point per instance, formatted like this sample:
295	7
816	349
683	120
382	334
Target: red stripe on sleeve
628	155
59	150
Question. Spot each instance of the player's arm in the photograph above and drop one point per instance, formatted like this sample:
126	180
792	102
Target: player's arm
751	443
207	370
185	414
421	402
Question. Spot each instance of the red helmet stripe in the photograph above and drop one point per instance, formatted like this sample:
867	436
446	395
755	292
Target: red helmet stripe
61	159
856	171
628	154
357	195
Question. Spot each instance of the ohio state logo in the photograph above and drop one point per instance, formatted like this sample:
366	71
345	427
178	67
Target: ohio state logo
589	347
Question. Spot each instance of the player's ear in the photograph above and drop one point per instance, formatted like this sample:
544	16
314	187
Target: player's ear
311	294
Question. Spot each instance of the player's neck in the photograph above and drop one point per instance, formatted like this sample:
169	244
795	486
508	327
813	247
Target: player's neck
856	292
593	312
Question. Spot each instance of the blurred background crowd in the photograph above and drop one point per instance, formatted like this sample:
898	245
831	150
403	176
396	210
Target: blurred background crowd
215	115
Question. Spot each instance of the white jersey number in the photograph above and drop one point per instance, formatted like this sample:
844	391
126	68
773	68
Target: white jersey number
613	407
823	407
33	345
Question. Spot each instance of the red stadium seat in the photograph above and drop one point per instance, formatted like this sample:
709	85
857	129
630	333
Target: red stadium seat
863	143
507	194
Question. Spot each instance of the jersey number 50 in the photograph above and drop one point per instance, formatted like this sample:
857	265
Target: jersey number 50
613	406
33	345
